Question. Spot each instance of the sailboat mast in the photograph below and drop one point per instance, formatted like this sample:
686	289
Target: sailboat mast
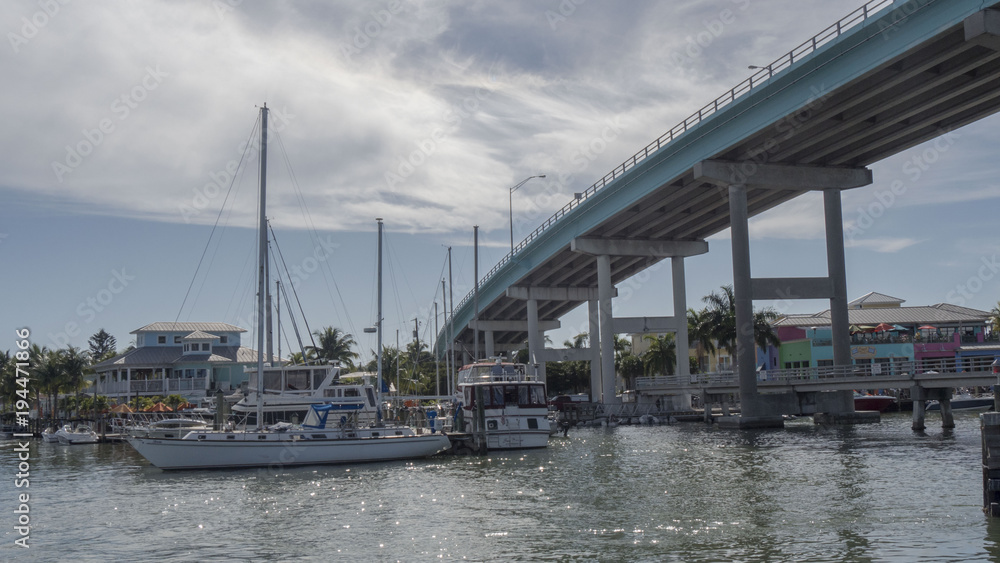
379	322
262	265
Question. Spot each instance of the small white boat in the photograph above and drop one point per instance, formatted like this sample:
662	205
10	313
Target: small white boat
290	390
50	434
82	434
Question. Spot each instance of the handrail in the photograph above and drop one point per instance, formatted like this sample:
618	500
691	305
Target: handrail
835	30
876	373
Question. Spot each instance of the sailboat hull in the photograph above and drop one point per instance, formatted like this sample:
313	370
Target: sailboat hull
208	450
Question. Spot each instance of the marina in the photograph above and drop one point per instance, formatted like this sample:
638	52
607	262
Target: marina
685	492
692	413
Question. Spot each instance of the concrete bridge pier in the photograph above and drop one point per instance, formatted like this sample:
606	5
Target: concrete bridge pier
941	395
606	325
740	177
711	399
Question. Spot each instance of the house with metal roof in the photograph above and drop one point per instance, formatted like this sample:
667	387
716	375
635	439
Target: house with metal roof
190	359
883	332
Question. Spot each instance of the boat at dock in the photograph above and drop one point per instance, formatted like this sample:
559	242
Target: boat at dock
963	402
514	408
289	391
82	434
873	402
312	442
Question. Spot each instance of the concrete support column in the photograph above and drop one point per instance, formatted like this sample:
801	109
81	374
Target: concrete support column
489	343
594	314
535	343
605	291
918	396
745	356
837	270
680	313
947	417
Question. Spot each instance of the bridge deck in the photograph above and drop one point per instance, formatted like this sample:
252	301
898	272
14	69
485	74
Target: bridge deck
880	81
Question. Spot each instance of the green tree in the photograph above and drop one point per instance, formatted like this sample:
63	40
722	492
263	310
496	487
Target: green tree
575	374
335	345
661	356
73	362
47	373
630	367
700	336
174	401
102	346
720	318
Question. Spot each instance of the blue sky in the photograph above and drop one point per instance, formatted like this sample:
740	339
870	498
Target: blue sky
121	120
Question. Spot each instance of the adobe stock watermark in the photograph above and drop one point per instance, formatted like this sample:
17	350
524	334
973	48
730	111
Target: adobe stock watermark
30	27
581	159
887	27
565	9
307	266
223	7
696	44
219	180
456	114
914	168
964	292
366	33
89	308
120	108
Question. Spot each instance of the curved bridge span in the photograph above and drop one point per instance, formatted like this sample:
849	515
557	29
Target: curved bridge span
887	77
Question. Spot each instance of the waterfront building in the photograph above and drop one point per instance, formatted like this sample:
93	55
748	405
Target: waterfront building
884	332
189	359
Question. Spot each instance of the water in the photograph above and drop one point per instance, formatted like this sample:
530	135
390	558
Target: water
686	492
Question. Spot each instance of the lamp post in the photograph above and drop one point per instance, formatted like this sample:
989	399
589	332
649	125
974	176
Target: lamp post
511	198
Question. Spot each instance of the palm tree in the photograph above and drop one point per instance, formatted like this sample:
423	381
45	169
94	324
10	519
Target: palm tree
700	334
47	373
73	363
334	345
995	319
720	317
661	355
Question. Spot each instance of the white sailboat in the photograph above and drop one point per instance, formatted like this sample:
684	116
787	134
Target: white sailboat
314	442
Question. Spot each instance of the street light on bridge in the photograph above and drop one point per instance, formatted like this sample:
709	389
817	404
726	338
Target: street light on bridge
511	198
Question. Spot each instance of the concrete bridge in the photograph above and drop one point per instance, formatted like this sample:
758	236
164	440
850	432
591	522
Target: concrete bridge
888	77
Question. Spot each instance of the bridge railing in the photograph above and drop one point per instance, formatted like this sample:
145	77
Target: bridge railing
761	76
875	372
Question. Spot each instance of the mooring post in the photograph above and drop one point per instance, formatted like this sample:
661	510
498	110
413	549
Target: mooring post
989	424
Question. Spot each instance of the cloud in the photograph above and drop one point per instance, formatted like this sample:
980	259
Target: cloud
883	245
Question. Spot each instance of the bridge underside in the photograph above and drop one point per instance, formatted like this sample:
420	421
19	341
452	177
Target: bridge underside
905	78
934	88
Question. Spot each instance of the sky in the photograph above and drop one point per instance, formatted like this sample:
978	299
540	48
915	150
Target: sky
124	123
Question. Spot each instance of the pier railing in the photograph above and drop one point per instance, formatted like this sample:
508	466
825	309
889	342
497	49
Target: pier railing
147	386
866	376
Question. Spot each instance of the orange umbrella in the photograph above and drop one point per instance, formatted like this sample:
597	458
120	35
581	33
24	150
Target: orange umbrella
160	407
883	327
122	408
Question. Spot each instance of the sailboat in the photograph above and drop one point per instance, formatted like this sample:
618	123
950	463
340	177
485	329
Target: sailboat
314	442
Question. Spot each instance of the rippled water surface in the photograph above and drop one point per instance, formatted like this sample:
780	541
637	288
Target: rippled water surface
686	492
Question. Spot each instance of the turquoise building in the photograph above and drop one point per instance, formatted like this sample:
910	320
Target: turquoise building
884	332
189	359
